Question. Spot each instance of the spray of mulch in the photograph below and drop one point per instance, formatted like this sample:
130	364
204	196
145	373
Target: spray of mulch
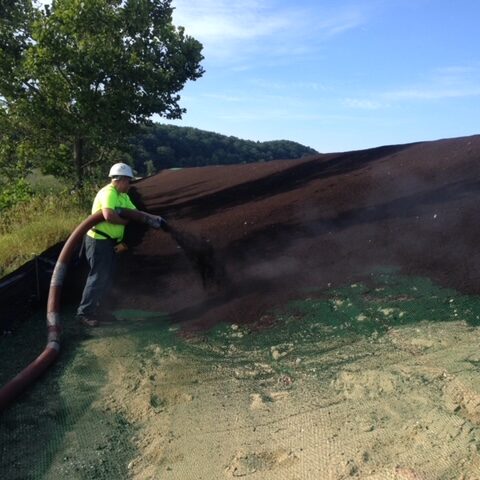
198	250
202	257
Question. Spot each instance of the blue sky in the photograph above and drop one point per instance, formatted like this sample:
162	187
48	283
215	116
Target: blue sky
334	75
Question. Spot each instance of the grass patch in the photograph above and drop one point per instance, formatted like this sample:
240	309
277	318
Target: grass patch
28	228
44	184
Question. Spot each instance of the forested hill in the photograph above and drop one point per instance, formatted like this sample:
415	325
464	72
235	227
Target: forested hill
165	146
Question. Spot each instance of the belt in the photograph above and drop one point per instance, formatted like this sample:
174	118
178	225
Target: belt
105	235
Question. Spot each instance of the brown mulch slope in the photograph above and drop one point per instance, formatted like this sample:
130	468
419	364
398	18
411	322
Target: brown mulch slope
285	226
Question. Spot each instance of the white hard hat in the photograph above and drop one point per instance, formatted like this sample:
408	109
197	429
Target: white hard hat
120	170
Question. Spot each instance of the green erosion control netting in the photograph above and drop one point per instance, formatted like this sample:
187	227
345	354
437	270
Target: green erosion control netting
372	381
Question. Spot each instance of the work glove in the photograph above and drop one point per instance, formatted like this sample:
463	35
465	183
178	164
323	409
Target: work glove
156	221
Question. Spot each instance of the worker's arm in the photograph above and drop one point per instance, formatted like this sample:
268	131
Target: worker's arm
111	216
154	221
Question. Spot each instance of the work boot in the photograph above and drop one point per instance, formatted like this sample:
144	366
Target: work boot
87	321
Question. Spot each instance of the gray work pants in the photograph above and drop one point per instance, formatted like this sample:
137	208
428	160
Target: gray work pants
101	258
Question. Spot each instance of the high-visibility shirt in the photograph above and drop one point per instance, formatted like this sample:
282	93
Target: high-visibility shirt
110	197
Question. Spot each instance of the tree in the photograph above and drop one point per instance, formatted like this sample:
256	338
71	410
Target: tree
78	76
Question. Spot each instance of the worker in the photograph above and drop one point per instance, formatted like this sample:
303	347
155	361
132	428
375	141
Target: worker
103	241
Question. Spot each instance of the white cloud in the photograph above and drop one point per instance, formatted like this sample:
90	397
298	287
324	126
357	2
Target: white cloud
452	82
362	104
219	20
445	82
432	93
244	27
340	22
292	86
225	97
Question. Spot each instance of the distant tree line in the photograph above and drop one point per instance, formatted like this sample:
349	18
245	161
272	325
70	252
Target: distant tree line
159	146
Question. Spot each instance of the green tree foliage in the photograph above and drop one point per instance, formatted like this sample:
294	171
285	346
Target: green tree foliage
78	76
166	146
13	193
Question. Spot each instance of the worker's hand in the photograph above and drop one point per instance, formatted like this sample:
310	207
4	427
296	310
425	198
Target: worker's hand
156	221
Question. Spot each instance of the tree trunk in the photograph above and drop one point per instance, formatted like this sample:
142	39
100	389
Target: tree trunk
78	159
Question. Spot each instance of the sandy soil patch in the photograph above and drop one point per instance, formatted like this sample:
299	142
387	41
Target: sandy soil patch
403	406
